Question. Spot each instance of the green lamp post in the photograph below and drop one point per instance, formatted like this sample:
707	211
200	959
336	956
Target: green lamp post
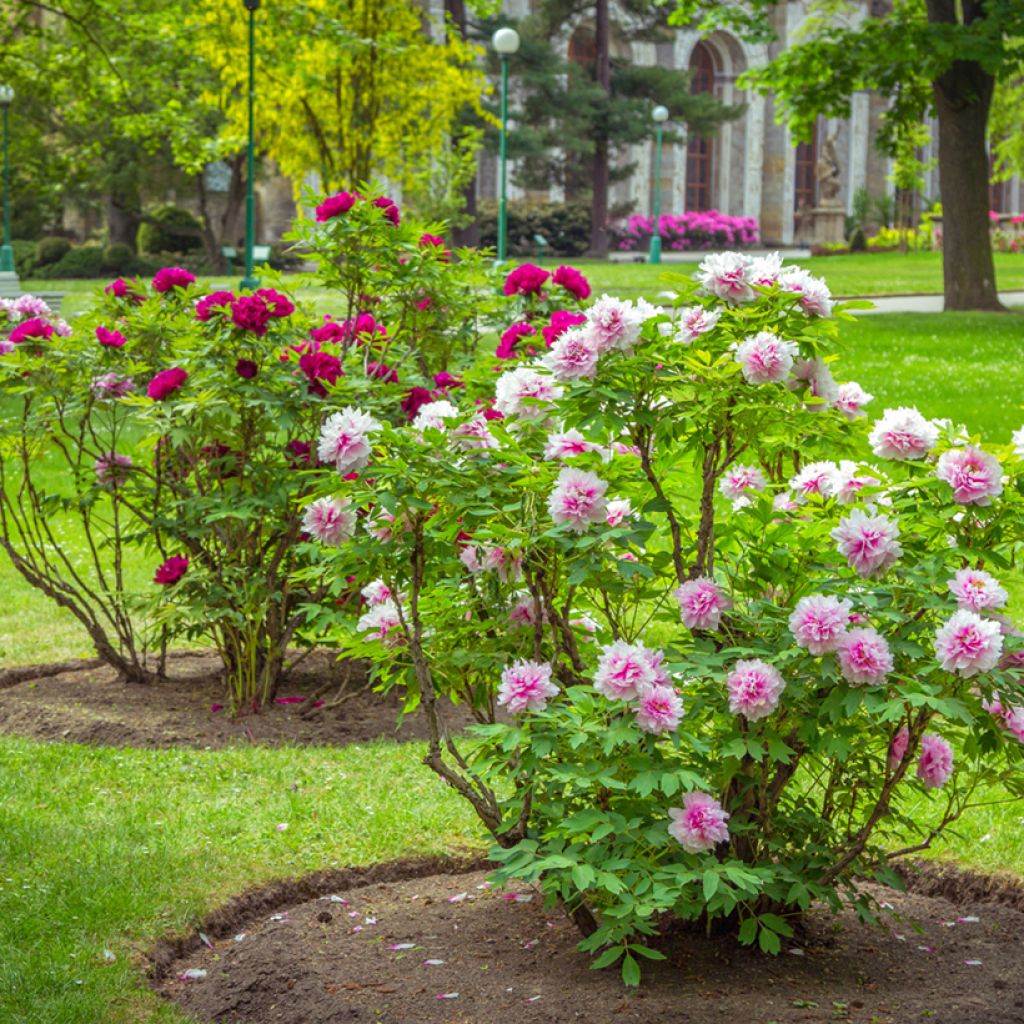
6	251
659	115
505	42
249	281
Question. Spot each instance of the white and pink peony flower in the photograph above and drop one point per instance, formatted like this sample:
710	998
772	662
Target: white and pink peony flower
754	689
567	445
701	603
616	323
382	623
816	478
903	434
864	657
850	400
765	358
618	511
346	439
692	322
574	355
525	393
626	671
331	521
974	475
935	765
700	825
659	709
967	644
578	499
815	298
724	274
819	622
526	686
869	543
739	482
977	590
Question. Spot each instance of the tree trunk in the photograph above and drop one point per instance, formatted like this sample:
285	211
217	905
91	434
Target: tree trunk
963	95
469	235
122	222
599	167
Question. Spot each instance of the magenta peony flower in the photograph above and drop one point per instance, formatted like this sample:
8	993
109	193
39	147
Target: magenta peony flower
524	392
279	305
765	358
250	313
172	277
898	747
567	445
692	322
299	453
659	709
171	571
561	321
436	244
701	603
246	369
526	280
578	499
724	274
626	671
573	356
335	206
935	765
754	689
213	304
903	434
166	382
444	380
526	686
974	475
330	331
330	520
967	644
381	371
701	823
870	543
122	289
345	439
389	208
739	482
976	590
110	339
851	399
34	330
112	469
414	398
572	281
864	657
819	622
320	369
510	339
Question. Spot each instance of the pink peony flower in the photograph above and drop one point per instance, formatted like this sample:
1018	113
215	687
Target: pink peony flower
561	321
754	689
974	475
724	274
434	242
849	482
389	208
568	445
903	434
382	623
818	478
511	337
112	469
701	603
122	289
738	483
250	313
335	206
765	358
345	439
578	499
967	644
864	657
526	280
976	590
898	747
701	823
34	330
626	671
935	765
279	305
618	510
330	331
166	382
815	298
573	356
525	393
816	377
214	303
171	571
110	339
659	709
330	520
172	277
851	399
320	369
112	385
692	322
572	281
1009	718
870	543
819	622
615	323
474	435
526	686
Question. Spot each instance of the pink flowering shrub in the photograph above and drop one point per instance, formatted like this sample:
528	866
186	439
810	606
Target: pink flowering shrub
720	635
695	229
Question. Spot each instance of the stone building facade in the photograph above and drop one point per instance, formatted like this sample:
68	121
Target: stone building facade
752	167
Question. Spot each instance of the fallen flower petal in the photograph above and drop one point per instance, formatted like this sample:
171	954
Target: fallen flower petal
403	945
433	963
192	974
289	700
216	707
973	963
205	940
282	826
968	920
447	995
458	899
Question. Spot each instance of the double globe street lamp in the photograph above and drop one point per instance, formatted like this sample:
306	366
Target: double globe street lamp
6	250
505	42
659	115
250	281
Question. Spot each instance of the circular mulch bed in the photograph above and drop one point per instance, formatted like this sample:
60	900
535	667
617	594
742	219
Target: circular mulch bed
86	702
402	943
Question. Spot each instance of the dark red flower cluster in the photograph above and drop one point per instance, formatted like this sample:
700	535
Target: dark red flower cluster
166	382
35	329
526	280
110	339
215	302
320	368
335	206
172	277
511	337
122	289
572	281
171	571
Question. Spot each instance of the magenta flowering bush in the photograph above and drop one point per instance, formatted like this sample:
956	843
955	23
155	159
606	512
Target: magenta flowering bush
721	632
695	229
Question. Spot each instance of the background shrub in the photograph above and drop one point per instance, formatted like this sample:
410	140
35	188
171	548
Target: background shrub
24	256
119	259
84	261
565	226
51	250
169	229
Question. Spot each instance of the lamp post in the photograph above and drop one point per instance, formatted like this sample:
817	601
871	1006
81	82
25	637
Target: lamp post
659	115
249	281
505	42
6	252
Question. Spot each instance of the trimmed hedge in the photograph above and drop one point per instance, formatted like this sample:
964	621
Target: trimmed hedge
162	231
566	226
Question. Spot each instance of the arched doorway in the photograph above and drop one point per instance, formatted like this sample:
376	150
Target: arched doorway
805	183
700	165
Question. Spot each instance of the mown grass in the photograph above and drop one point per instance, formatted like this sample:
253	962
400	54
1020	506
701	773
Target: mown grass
106	849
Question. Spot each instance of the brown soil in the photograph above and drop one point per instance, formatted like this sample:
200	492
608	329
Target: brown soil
364	949
86	702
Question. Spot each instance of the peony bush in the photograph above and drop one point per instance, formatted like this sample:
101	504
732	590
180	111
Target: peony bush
694	229
720	630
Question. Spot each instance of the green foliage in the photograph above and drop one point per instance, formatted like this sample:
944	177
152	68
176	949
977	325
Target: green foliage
51	250
24	256
565	226
169	229
81	261
858	242
119	260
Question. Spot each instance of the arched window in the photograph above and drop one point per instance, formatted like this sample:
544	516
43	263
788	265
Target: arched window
699	150
805	177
